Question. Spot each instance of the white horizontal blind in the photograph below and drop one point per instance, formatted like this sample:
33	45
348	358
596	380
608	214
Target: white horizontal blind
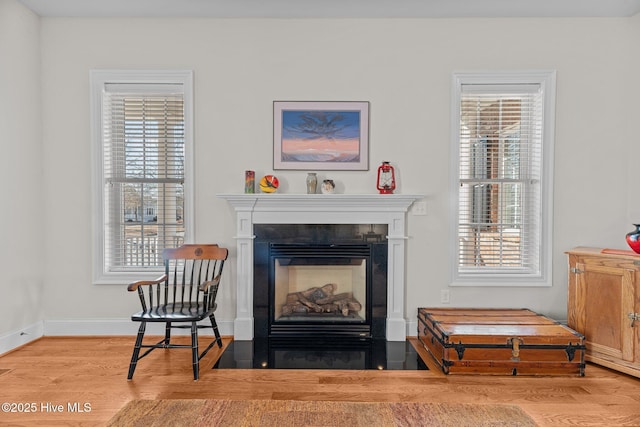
143	170
500	186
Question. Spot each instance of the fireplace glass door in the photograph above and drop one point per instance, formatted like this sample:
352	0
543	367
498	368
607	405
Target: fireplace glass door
320	290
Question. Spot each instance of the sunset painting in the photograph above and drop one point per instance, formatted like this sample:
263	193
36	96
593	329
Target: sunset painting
330	135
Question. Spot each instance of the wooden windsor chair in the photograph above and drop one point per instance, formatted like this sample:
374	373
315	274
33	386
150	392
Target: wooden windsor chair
183	296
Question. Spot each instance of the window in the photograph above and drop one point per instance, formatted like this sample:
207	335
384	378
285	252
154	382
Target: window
141	127
502	175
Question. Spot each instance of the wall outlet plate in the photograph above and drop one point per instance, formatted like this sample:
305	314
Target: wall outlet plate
419	208
445	297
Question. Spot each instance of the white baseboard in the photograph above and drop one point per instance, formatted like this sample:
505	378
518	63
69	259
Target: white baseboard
117	327
92	327
21	337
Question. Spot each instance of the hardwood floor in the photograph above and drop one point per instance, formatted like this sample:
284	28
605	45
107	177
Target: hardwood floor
74	371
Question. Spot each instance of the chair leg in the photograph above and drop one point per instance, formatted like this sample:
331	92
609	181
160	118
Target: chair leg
167	333
194	350
218	339
136	350
214	325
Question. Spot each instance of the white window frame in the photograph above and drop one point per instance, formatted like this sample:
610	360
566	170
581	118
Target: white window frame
98	80
543	276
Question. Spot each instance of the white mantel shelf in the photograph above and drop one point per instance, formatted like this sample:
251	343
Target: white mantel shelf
274	208
324	202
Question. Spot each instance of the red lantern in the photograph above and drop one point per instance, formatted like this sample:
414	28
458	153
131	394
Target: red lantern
386	178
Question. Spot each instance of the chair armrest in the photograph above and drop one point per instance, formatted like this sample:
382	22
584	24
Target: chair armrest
135	285
206	285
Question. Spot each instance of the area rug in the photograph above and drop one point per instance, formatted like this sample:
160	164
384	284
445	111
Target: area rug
282	413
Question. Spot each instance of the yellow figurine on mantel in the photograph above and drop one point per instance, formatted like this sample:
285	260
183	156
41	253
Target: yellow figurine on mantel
269	184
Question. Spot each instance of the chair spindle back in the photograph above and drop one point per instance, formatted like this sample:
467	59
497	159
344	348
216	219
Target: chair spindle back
187	270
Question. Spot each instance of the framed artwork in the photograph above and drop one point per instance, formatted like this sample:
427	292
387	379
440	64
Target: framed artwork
320	135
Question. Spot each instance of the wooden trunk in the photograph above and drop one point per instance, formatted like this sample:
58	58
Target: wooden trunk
500	342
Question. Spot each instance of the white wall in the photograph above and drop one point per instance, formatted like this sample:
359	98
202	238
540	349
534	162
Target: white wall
403	67
22	212
631	121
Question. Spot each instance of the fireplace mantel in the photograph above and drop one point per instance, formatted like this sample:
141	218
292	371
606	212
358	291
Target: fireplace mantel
390	209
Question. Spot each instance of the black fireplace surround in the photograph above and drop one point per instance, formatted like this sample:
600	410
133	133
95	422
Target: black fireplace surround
362	248
344	337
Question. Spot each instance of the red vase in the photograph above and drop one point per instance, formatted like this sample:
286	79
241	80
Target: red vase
633	239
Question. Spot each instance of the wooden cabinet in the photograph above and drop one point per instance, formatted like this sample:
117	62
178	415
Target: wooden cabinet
604	305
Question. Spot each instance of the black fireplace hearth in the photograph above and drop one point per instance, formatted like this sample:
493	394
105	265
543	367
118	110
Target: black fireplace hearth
338	354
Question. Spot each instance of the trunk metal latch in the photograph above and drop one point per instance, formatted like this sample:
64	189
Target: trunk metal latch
515	350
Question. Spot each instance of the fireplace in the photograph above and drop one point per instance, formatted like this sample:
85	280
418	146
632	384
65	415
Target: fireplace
253	210
320	280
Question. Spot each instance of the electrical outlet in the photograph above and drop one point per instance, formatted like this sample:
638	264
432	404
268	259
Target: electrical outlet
419	208
444	296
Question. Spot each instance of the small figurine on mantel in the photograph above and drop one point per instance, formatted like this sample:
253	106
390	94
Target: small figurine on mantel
386	182
328	186
249	182
312	183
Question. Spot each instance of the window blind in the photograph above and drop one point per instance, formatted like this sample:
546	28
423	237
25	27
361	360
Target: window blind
499	185
143	168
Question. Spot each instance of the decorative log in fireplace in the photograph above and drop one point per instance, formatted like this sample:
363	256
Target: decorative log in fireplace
321	300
